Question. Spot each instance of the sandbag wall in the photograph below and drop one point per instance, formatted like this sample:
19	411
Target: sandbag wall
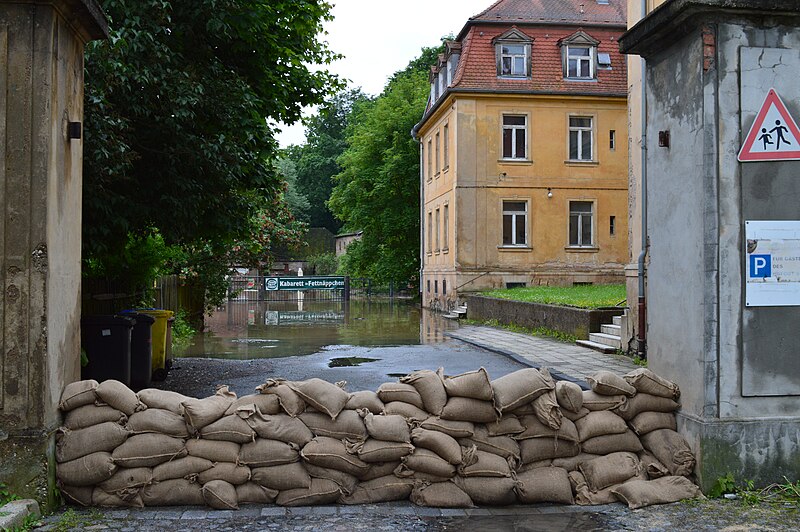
443	441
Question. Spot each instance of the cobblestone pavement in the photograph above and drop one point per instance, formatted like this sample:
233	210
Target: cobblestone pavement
567	361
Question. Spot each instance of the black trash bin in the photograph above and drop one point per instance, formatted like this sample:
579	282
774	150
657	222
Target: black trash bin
141	349
107	342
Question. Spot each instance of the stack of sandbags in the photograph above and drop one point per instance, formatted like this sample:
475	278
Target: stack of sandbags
446	441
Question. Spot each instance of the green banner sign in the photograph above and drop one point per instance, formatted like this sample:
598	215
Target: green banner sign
304	283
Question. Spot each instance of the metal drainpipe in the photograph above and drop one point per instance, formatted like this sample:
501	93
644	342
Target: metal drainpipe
642	340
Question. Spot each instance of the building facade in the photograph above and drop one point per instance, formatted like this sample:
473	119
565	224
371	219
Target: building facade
524	154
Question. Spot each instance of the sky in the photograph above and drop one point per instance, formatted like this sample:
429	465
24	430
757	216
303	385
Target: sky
380	37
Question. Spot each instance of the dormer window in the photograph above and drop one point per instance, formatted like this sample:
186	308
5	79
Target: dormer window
579	56
513	50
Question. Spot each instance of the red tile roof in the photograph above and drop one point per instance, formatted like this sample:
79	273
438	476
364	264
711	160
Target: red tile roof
586	12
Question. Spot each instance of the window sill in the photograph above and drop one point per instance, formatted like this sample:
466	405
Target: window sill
446	169
446	251
436	175
582	80
576	162
514	248
512	78
517	162
586	249
437	252
429	253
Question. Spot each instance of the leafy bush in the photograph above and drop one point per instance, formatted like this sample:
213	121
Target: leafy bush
182	330
324	263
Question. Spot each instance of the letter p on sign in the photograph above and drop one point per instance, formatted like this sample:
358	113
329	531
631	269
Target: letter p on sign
760	266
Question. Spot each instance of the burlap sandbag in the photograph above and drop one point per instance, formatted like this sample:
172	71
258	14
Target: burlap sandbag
612	443
163	399
201	412
229	428
546	484
467	409
641	493
321	395
430	386
537	449
160	421
645	381
489	491
282	477
379	470
456	429
72	444
321	491
87	471
78	495
331	453
508	425
105	499
89	415
671	449
266	403
534	428
148	450
290	401
472	384
571	463
611	469
504	446
228	471
389	392
575	416
347	425
387	427
569	396
220	495
365	399
407	410
78	394
650	421
520	387
346	481
403	471
534	465
126	478
281	427
383	489
186	467
600	423
175	492
642	402
595	401
585	497
607	383
265	453
119	396
486	465
652	467
252	493
440	443
216	451
440	495
426	461
545	407
372	450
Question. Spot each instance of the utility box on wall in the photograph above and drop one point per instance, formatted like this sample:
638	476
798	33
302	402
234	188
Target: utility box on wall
723	230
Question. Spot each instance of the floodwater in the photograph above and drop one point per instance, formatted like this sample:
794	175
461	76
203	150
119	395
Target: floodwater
274	329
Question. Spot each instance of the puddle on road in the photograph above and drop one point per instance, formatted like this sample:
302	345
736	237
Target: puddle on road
556	522
346	362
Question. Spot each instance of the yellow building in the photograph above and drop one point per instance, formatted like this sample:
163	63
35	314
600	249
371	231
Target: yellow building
524	153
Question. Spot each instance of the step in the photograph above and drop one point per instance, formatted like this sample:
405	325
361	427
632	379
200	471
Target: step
607	339
451	316
617	320
613	330
460	310
597	347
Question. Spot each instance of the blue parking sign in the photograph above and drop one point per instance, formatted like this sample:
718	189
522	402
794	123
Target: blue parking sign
760	266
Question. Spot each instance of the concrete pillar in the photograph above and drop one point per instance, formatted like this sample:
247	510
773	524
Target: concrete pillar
41	93
710	64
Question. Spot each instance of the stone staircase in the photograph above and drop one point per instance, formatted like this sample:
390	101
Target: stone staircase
607	340
457	313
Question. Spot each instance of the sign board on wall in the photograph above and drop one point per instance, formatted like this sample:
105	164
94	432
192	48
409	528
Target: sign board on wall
772	264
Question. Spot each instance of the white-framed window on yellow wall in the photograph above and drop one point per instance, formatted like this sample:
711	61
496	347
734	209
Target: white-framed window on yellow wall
438	230
438	159
581	224
446	146
581	138
429	246
515	136
515	223
446	228
430	159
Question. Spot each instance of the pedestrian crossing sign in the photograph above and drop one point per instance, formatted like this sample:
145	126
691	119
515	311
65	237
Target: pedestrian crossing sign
774	135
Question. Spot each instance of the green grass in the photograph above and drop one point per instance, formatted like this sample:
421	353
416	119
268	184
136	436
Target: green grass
581	296
538	331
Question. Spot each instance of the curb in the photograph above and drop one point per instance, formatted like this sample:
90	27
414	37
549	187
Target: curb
14	513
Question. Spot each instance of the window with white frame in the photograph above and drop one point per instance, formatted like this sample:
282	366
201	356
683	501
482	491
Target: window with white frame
446	228
515	135
429	247
581	226
430	159
580	138
438	168
579	56
438	231
513	50
446	146
515	223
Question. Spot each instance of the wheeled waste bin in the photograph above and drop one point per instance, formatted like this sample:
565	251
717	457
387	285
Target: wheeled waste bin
141	349
159	340
107	342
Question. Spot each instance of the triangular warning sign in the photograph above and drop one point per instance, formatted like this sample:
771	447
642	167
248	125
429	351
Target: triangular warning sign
774	135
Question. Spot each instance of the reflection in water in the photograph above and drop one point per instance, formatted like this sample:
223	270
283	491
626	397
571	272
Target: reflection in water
272	329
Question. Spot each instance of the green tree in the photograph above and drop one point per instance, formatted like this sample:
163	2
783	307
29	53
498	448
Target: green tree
178	106
378	188
316	161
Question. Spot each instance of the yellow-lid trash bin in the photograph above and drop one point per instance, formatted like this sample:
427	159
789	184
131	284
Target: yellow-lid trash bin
159	340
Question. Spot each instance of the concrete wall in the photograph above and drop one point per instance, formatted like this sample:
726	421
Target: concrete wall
41	91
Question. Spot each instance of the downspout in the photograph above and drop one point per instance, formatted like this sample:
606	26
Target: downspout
642	339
